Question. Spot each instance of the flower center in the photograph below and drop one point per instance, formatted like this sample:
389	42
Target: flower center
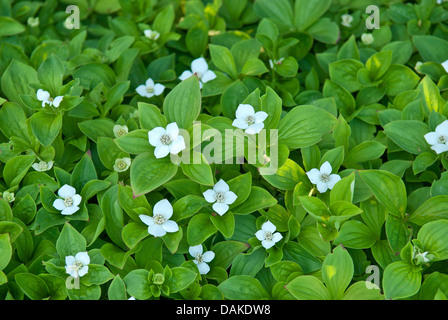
269	236
121	165
158	278
165	139
442	139
325	177
250	120
43	166
159	219
77	265
149	89
50	99
220	197
121	132
199	258
68	202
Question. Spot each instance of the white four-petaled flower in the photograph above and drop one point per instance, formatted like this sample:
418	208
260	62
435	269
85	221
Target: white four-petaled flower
367	38
346	20
199	67
201	259
267	235
150	89
78	265
45	97
159	224
151	34
322	178
166	140
42	166
249	120
70	202
120	131
220	196
439	138
122	164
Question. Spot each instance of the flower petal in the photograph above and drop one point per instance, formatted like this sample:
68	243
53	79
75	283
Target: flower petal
158	89
149	83
59	204
156	230
83	257
83	271
42	95
439	148
260	116
164	208
161	151
66	191
276	237
76	199
177	145
203	268
155	135
141	90
230	197
185	75
170	226
208	76
325	168
442	128
68	211
244	110
333	179
199	65
255	128
57	101
209	195
239	123
149	221
208	256
172	130
69	260
314	175
221	186
260	235
268	226
195	250
267	244
431	138
220	208
322	186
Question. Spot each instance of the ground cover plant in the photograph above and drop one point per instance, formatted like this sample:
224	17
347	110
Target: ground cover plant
225	149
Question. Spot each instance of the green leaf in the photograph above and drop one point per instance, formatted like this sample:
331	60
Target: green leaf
46	127
199	172
356	235
243	287
199	229
137	284
337	271
388	189
183	104
148	173
258	199
16	168
401	280
434	208
308	288
33	286
433	235
5	250
409	135
70	242
117	289
180	279
10	27
307	12
51	74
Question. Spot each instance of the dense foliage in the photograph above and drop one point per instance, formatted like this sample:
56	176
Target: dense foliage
98	124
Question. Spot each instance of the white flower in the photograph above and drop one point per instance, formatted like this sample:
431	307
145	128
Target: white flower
201	258
33	22
323	178
166	140
220	196
277	62
149	89
43	166
159	224
367	38
70	202
131	298
77	266
123	164
267	235
445	65
439	139
8	196
44	96
248	119
151	34
200	67
120	131
346	20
